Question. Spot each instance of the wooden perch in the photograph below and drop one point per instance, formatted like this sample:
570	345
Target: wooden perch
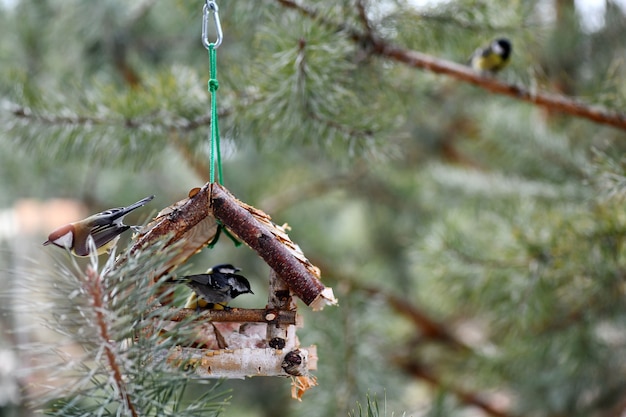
237	363
272	243
241	315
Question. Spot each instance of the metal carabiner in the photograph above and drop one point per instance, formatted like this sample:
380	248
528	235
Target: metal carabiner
210	7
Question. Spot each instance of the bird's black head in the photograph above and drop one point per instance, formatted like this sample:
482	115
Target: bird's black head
223	269
239	285
503	47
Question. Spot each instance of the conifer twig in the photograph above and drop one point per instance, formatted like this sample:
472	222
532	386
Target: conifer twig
316	188
182	124
94	288
555	102
199	165
302	74
360	6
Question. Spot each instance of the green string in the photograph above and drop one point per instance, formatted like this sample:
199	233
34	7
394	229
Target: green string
218	233
216	154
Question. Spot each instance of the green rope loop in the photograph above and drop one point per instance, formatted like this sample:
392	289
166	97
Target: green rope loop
221	228
216	155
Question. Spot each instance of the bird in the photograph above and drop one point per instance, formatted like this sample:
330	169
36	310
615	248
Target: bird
104	228
215	288
493	57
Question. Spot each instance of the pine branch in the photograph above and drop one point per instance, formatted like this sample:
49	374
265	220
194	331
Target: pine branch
139	11
199	165
348	131
617	410
93	286
553	102
303	192
428	326
302	74
180	124
451	20
113	316
419	371
362	11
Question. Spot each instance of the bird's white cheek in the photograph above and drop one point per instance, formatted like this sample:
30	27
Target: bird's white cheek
65	241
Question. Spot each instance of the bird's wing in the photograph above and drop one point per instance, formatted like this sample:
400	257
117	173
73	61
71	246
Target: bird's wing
104	234
485	52
203	279
113	214
106	217
126	210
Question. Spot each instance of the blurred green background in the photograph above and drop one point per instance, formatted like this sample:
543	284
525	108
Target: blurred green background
475	242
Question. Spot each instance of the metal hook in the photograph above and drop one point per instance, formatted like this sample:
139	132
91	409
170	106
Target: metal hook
210	7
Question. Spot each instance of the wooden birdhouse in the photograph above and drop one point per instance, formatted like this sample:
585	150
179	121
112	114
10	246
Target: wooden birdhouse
239	343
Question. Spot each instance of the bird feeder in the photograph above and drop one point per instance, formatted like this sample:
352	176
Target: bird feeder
236	342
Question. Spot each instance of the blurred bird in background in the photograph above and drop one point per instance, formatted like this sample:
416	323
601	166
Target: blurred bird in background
493	57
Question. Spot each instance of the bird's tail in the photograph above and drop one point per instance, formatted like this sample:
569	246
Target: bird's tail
138	204
181	280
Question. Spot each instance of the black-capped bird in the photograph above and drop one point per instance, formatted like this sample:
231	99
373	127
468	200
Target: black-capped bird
493	57
105	228
215	288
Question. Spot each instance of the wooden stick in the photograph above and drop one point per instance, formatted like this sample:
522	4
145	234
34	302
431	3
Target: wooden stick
178	220
241	315
234	363
279	335
256	229
187	225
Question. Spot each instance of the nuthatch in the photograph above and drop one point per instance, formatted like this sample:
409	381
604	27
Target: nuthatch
105	228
